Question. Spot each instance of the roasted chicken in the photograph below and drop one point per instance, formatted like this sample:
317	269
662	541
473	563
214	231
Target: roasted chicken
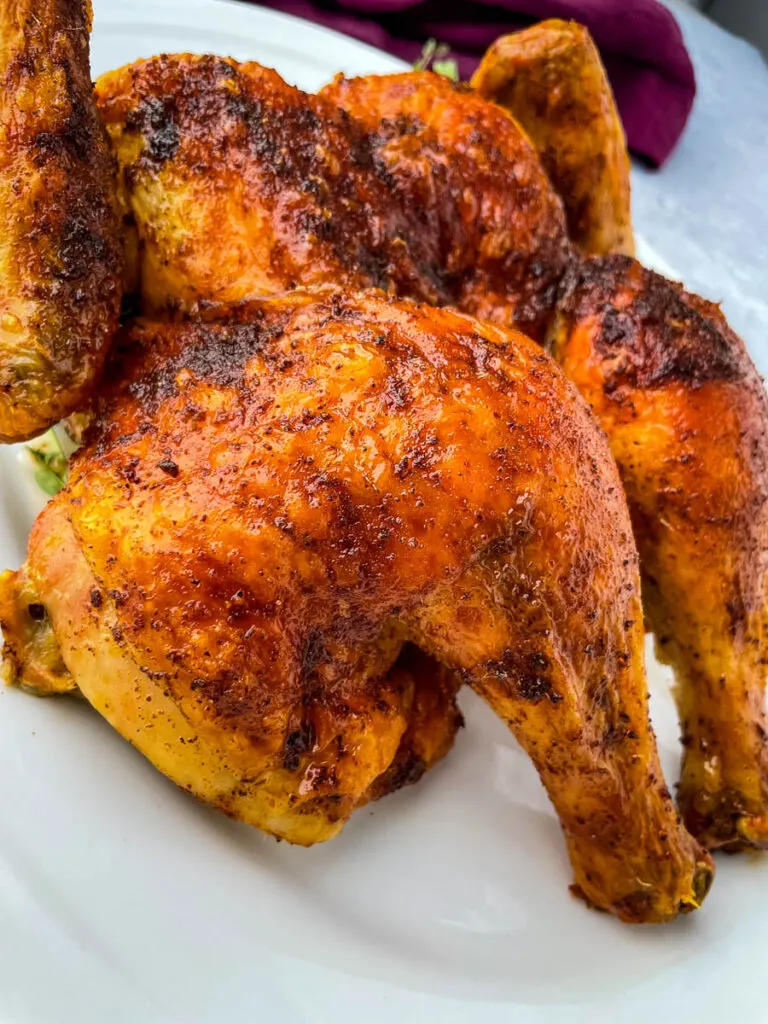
299	523
272	503
60	249
460	180
687	417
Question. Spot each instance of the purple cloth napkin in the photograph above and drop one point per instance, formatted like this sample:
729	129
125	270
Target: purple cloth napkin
639	41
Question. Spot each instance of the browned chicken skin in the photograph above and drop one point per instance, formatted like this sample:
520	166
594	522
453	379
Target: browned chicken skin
272	504
461	180
433	720
241	185
551	79
60	265
476	187
687	417
279	182
248	613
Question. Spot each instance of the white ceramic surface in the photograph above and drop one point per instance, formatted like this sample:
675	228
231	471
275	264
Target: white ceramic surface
123	900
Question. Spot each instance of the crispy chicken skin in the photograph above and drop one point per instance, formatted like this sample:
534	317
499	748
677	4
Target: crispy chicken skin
551	79
455	209
240	185
477	189
687	418
270	506
60	254
433	720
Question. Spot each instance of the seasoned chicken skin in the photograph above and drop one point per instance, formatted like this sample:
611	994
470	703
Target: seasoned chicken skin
454	209
240	185
476	186
687	418
551	79
271	505
60	251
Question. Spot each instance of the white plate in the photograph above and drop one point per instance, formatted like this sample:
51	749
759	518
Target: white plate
121	899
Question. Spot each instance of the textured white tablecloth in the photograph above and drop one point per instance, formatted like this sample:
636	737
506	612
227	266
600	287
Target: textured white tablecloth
705	214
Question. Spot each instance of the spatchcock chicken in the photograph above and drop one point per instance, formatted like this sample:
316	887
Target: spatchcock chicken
468	218
307	510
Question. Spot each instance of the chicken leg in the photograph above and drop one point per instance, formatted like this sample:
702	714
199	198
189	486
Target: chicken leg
273	503
687	418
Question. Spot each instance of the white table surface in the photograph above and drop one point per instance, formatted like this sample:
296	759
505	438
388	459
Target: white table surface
706	211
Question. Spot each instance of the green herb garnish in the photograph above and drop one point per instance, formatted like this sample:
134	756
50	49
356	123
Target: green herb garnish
50	462
436	57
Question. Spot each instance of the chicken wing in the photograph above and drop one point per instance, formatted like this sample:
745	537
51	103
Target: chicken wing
687	418
240	185
551	79
272	504
60	251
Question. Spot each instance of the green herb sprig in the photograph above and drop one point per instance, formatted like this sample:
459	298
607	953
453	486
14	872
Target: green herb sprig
51	463
436	57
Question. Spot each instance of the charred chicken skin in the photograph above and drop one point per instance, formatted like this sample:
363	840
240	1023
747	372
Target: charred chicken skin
60	250
273	503
687	417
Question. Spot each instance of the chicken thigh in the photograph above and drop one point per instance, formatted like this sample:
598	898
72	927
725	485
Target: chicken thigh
273	502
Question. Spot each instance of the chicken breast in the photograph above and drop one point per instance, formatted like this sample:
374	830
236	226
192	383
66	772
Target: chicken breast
240	185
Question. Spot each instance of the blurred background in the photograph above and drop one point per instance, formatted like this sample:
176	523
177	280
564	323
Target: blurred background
745	18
